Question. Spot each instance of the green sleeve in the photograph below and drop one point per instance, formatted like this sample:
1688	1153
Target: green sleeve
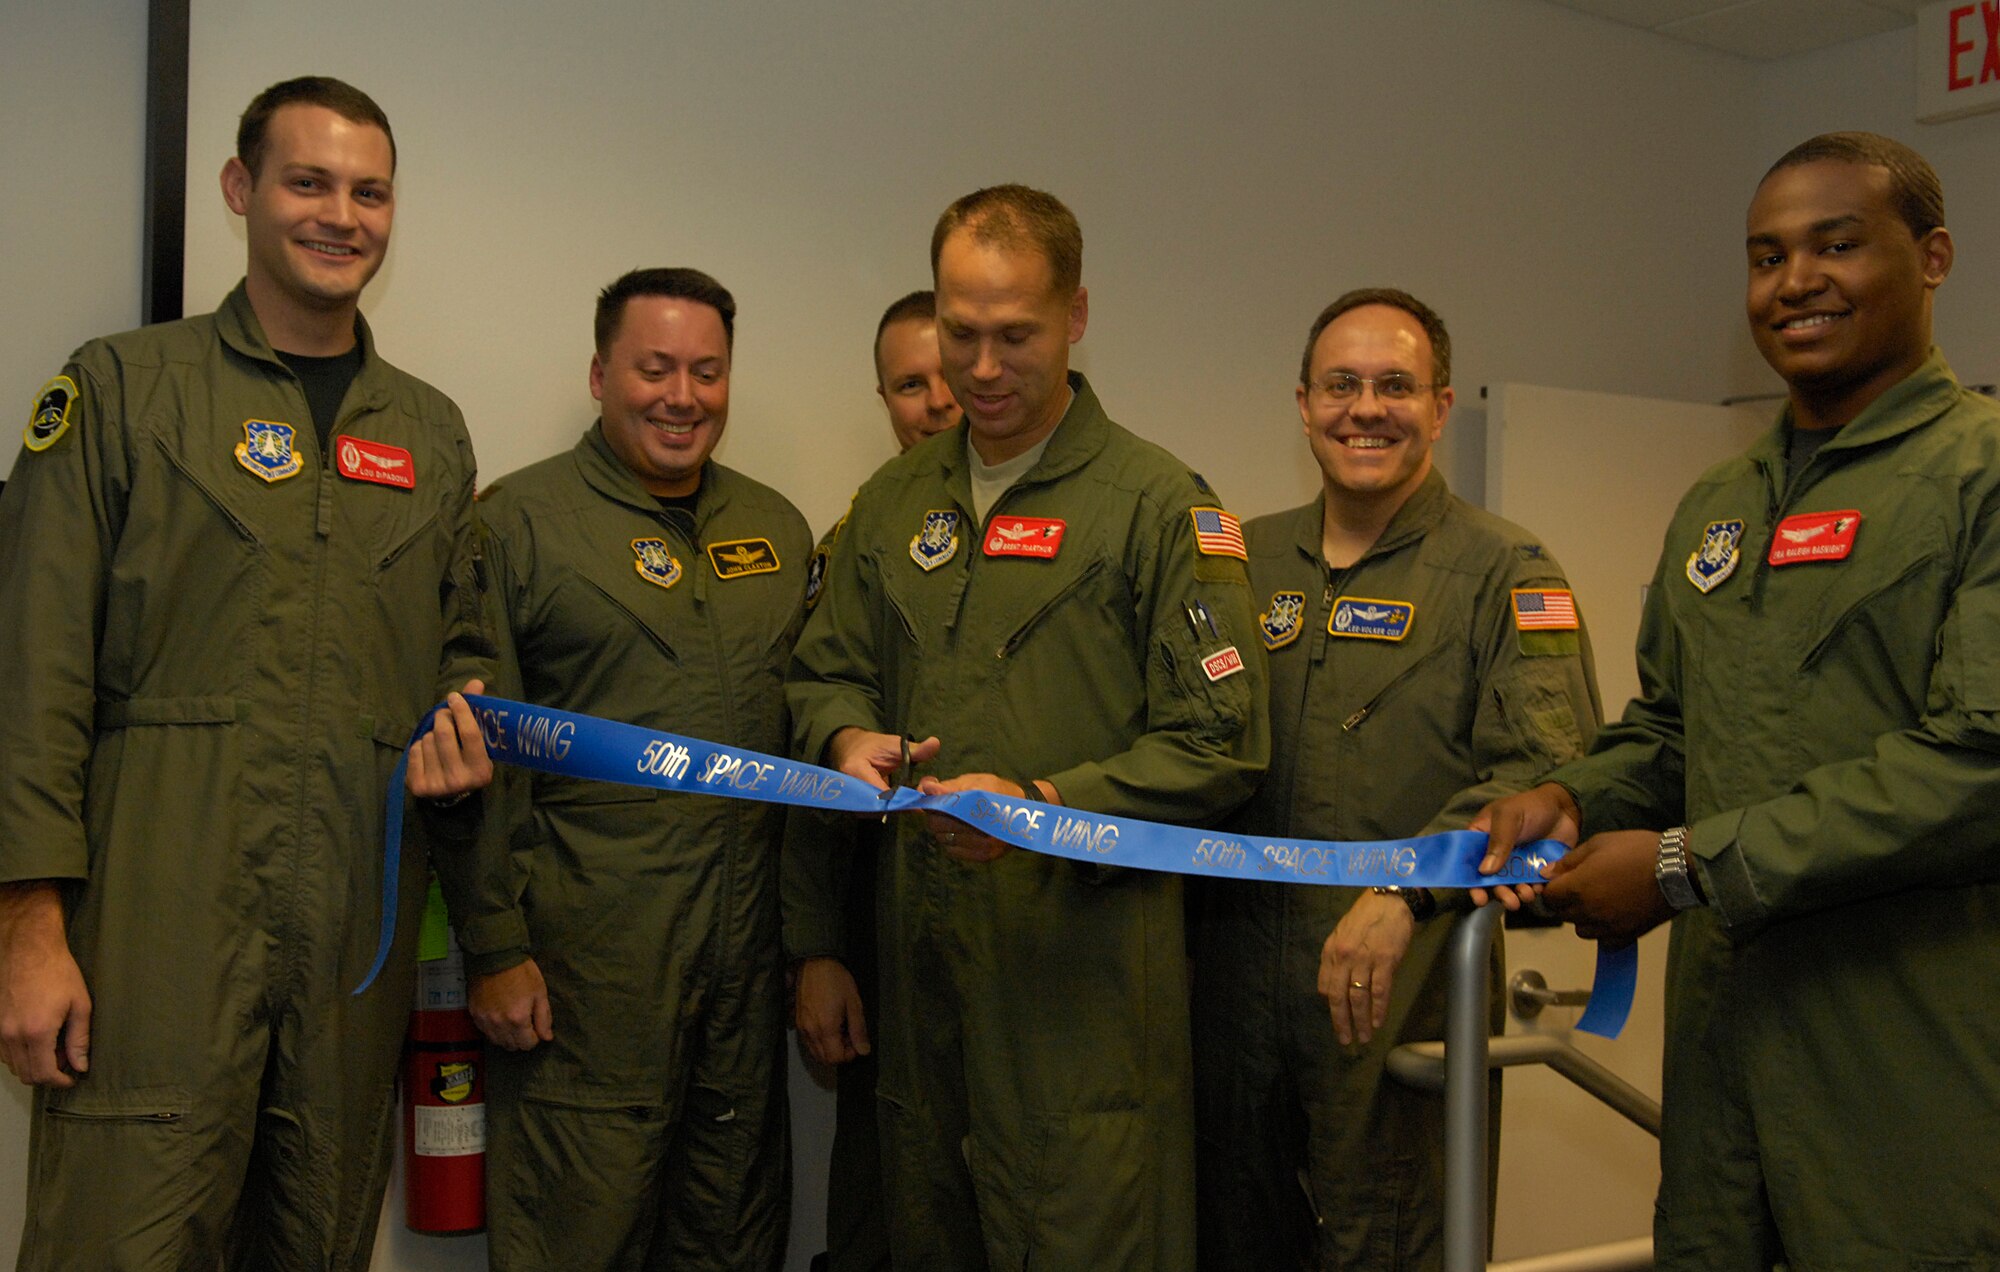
61	518
485	873
1537	704
1207	741
1635	774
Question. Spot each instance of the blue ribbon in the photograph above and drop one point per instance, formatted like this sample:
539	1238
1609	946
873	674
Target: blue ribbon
583	746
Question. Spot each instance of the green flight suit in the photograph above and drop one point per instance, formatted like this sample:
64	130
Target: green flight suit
1371	738
209	674
828	889
652	1131
1829	730
1034	1094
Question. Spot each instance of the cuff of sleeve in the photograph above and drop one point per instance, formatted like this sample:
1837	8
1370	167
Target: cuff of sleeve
495	961
491	935
814	936
1716	855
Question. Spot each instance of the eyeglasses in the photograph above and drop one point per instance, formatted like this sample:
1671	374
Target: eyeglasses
1394	387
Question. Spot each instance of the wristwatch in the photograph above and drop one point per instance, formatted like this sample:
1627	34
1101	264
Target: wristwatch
1422	904
1670	869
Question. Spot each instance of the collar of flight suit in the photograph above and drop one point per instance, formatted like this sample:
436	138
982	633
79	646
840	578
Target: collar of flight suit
605	473
1418	516
236	322
1910	404
1078	437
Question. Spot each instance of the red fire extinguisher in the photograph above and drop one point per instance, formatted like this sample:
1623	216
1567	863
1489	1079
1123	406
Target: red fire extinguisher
444	1093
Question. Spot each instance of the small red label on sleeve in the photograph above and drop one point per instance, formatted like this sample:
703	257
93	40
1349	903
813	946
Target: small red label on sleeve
1037	537
379	462
1223	662
1814	536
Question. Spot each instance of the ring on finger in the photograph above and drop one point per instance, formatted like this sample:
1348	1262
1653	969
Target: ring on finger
1358	984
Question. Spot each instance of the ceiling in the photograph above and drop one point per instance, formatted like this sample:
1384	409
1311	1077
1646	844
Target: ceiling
1760	29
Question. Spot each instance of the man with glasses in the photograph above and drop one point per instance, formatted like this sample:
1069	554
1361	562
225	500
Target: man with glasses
1425	657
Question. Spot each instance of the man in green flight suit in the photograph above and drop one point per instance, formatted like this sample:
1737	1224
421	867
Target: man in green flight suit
239	565
1425	657
1054	608
829	861
1806	783
624	942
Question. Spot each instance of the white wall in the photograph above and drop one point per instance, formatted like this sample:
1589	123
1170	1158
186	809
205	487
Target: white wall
1563	189
73	98
1567	191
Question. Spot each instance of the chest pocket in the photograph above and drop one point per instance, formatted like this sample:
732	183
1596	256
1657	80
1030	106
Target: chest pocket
1884	613
592	604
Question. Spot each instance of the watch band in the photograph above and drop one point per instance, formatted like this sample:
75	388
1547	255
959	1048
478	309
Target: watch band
1422	904
1670	870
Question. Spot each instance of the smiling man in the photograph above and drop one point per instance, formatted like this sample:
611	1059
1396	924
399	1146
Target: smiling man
1057	609
239	565
624	943
1409	685
1805	785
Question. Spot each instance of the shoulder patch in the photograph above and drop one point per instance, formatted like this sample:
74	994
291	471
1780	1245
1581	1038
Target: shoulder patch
816	574
736	558
1201	483
50	418
1544	609
1218	533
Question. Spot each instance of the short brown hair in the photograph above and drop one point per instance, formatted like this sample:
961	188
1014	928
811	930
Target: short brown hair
917	306
338	96
1913	185
679	283
1426	318
1014	216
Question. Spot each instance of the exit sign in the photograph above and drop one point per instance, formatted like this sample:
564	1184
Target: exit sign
1958	59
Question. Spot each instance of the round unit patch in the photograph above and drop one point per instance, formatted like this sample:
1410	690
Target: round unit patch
50	419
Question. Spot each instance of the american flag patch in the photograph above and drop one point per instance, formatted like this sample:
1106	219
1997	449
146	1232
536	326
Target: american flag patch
1216	533
1544	609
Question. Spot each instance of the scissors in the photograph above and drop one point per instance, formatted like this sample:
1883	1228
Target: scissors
902	778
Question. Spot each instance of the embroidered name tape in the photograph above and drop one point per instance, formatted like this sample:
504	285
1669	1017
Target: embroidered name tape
576	745
1036	537
1814	536
379	462
1370	619
738	557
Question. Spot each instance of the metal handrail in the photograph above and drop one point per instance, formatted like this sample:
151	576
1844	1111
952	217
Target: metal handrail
1460	1065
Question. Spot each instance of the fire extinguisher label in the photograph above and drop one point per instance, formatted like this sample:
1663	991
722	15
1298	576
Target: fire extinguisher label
453	1082
456	1131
